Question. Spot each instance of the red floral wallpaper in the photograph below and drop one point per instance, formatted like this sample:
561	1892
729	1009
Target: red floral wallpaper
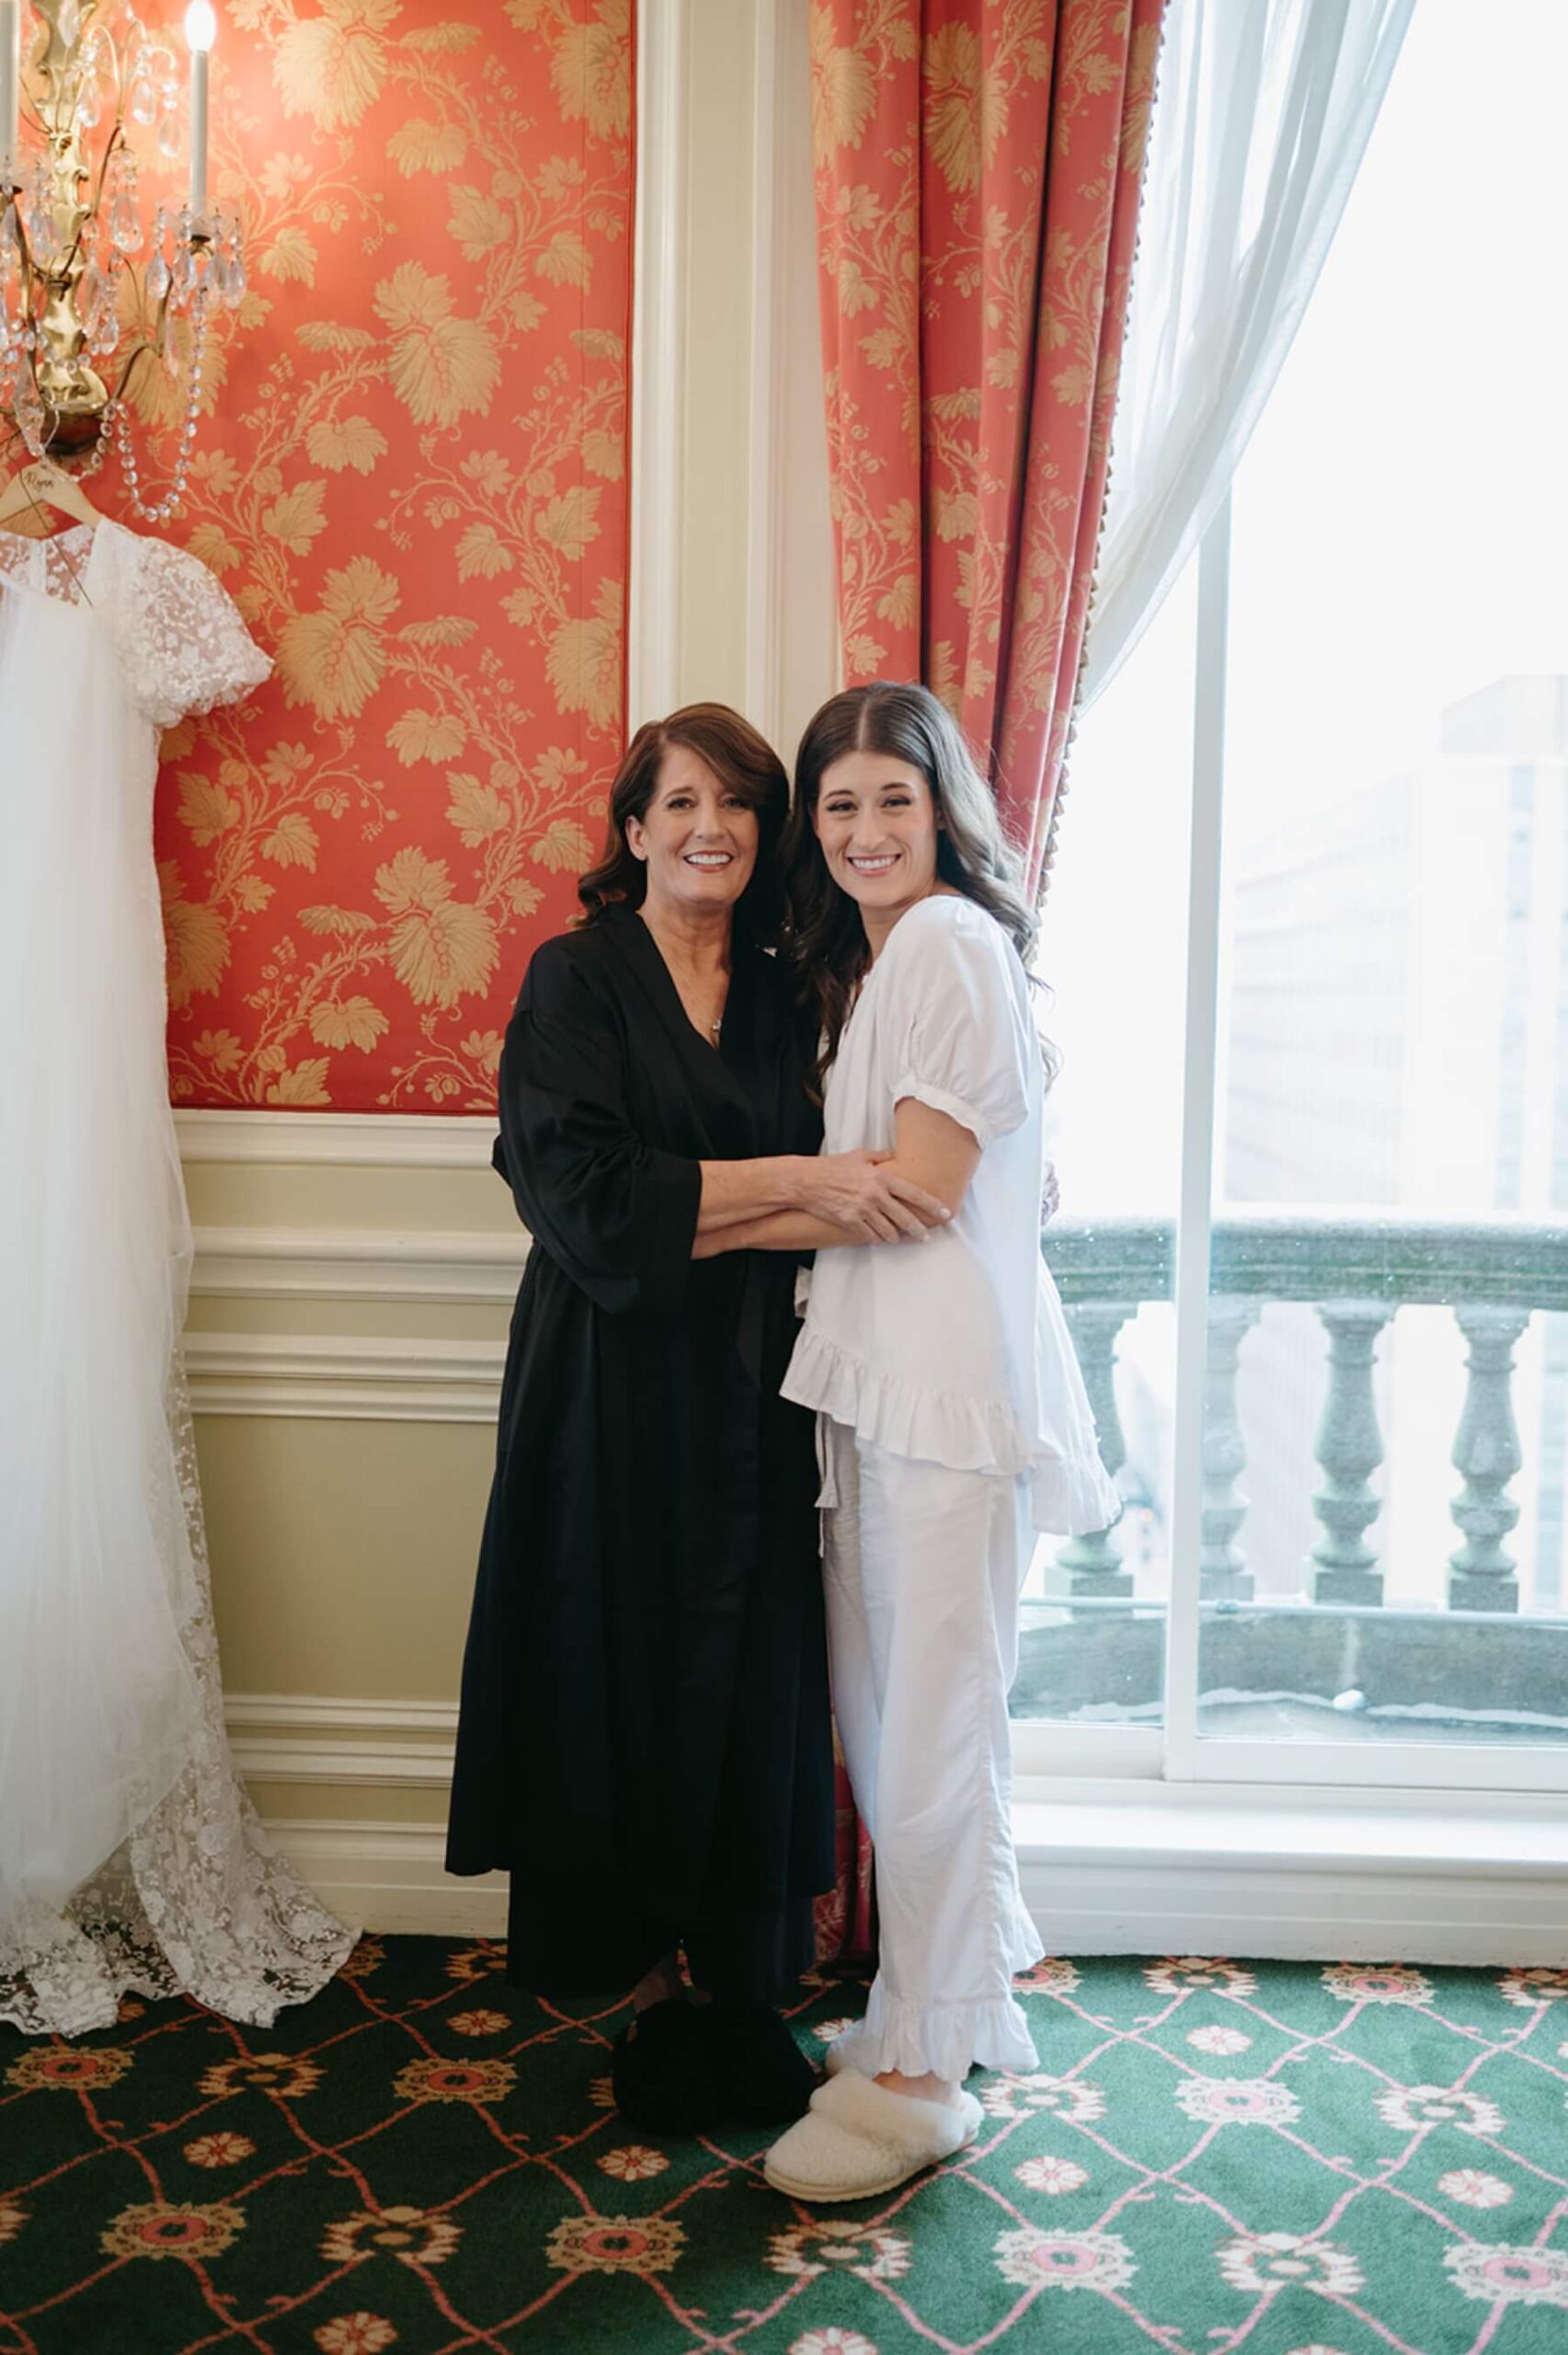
412	478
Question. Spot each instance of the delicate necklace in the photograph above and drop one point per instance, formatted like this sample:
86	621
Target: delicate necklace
715	1026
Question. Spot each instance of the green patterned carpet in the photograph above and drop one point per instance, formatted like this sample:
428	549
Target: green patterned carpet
1292	2160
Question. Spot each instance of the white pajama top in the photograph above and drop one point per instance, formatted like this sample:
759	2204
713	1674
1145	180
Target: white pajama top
955	1350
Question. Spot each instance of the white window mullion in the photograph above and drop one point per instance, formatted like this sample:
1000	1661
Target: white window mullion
1194	1214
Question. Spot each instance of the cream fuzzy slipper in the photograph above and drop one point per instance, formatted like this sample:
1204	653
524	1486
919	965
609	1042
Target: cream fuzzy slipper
858	2139
840	2052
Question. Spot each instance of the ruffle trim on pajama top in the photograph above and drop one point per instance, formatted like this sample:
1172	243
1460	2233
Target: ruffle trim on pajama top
1071	1492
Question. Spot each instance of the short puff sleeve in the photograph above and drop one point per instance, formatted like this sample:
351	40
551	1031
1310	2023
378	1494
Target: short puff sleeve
966	1043
182	643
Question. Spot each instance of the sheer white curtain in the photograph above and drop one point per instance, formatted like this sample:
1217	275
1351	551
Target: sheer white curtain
1264	112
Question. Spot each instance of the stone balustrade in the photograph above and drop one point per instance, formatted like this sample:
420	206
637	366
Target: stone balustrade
1357	1274
1472	1668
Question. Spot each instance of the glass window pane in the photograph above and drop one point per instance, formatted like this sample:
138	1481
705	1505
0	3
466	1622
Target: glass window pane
1392	1150
1112	951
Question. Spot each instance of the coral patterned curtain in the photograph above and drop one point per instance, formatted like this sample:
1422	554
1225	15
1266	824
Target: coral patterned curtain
977	170
977	166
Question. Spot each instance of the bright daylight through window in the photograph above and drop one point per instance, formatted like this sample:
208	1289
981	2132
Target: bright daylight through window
1379	1584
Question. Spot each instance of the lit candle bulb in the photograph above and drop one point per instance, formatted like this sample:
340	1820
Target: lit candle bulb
10	88
200	31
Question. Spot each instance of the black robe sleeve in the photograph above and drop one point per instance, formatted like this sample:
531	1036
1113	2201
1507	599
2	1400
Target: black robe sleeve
616	1214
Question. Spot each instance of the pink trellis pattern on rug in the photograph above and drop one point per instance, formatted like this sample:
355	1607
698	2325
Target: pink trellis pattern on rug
1289	2261
1064	2260
1257	2159
1510	2276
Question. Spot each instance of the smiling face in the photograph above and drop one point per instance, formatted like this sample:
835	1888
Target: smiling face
877	824
697	838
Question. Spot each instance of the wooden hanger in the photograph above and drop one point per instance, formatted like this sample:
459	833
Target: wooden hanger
43	484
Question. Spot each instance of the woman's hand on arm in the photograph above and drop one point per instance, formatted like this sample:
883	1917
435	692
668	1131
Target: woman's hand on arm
873	1198
841	1196
899	1197
794	1231
1050	1194
869	1198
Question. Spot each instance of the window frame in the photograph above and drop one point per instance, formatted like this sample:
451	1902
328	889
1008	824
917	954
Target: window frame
1176	1752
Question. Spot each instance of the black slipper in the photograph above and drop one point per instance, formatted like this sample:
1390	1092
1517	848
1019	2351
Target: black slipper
761	2074
661	2073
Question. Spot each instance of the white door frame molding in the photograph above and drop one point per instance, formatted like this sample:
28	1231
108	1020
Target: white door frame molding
791	649
658	363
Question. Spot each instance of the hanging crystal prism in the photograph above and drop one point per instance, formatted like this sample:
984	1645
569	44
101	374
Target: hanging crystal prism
157	267
125	221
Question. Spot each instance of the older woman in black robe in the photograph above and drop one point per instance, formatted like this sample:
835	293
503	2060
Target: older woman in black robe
643	1741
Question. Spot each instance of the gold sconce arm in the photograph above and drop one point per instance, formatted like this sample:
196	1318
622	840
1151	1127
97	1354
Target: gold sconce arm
71	230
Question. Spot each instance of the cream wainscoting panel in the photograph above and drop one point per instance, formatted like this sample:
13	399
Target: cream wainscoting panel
350	1290
335	1140
346	1379
1109	1867
355	1791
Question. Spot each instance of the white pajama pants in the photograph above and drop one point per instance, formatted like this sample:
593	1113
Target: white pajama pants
922	1568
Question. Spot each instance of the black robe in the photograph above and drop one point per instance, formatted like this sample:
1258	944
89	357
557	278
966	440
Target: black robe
644	1740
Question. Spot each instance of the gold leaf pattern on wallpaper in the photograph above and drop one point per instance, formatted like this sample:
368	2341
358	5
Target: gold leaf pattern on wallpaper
411	478
198	941
335	656
978	165
334	67
591	70
585	658
439	365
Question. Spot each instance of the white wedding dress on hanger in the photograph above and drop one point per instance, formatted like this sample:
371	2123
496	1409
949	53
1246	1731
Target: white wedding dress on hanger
130	1855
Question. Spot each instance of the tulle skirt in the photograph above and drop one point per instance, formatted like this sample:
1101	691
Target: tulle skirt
99	1700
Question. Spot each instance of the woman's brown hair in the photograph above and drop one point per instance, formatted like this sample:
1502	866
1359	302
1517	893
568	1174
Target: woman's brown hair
973	855
745	764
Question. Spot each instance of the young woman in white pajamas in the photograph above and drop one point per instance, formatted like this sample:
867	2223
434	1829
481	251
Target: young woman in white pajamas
953	1424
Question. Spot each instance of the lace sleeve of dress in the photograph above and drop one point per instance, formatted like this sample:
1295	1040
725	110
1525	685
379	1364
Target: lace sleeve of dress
183	645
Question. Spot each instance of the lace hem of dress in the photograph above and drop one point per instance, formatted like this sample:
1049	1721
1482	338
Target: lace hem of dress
196	1901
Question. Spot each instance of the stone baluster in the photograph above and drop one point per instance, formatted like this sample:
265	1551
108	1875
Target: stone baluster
1093	1563
1487	1451
1349	1447
1224	1576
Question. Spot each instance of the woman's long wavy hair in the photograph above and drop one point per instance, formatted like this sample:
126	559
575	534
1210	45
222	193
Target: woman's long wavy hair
743	761
906	722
